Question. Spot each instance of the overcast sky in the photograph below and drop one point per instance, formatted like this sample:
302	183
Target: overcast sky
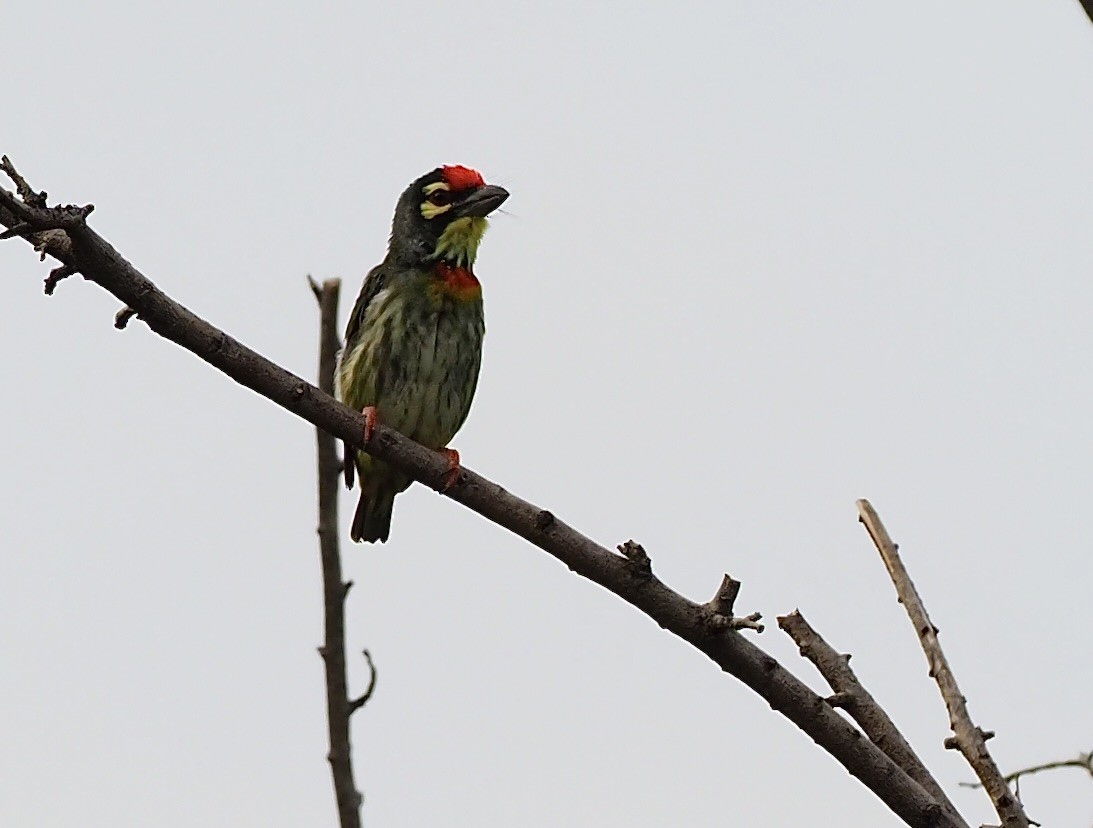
760	260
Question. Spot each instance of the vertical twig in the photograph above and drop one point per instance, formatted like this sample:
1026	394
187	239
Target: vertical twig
967	738
338	706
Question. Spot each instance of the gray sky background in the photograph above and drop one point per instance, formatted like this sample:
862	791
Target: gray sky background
760	259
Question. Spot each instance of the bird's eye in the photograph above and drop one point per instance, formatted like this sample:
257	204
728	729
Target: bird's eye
440	197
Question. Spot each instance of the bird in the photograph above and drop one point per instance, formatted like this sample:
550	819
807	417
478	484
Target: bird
413	344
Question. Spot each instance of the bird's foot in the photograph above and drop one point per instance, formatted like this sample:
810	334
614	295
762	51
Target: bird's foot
452	475
370	420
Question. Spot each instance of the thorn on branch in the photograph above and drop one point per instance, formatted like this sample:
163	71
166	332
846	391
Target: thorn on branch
640	564
55	276
543	519
348	585
122	317
361	700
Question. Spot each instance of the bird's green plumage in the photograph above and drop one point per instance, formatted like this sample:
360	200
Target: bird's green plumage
413	348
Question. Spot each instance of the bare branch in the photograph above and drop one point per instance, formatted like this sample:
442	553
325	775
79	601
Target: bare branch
860	704
967	738
338	706
99	262
28	217
30	207
37	219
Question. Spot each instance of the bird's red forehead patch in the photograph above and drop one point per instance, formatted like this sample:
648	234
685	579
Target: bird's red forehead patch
462	178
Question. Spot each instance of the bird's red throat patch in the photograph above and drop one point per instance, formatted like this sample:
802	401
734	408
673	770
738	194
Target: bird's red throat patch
457	282
462	178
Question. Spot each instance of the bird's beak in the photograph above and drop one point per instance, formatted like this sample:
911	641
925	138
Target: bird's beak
482	201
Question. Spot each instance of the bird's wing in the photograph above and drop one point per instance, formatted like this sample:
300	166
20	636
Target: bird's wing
374	282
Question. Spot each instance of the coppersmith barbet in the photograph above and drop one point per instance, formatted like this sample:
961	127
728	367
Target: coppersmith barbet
414	341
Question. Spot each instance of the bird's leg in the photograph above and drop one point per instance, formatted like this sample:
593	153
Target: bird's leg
452	475
370	420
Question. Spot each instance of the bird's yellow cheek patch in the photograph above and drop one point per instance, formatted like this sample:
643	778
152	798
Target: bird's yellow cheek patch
460	239
430	210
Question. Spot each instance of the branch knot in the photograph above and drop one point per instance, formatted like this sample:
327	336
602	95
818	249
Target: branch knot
719	610
640	565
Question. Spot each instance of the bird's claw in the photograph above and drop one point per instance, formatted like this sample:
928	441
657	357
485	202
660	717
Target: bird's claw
452	475
370	420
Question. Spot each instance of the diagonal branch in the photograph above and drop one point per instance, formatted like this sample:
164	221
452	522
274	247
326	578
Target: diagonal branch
94	257
967	738
860	704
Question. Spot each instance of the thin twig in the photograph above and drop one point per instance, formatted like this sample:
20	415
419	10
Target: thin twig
99	262
25	191
37	218
1084	761
852	696
338	706
970	740
361	700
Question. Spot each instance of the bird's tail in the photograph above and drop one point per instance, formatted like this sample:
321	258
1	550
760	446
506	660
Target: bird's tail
372	520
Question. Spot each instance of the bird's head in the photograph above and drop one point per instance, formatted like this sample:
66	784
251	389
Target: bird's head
442	216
